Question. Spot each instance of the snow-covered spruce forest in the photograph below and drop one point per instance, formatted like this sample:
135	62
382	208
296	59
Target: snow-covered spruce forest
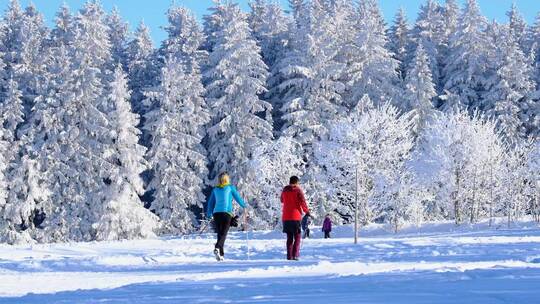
104	137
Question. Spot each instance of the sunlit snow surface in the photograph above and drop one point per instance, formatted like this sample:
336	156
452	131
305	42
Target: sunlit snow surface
438	263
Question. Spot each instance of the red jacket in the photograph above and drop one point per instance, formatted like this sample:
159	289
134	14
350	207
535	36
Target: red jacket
294	203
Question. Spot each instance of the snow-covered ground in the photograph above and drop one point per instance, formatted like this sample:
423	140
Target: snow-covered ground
438	263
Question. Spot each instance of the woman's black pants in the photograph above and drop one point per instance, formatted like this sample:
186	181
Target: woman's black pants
222	221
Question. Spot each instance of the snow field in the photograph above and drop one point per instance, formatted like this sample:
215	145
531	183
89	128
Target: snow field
182	267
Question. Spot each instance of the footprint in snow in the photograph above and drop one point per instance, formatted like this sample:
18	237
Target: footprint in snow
149	259
535	260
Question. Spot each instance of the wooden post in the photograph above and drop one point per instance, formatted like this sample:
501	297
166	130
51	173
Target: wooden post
537	207
356	207
492	184
247	233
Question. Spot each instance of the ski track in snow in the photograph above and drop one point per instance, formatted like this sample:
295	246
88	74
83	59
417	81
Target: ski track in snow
173	269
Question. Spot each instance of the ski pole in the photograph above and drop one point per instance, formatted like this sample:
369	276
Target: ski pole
204	226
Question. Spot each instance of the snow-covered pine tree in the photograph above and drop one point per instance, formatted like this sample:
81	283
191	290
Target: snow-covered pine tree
313	88
62	34
255	20
15	212
291	55
176	157
419	89
11	113
24	34
24	50
532	116
256	16
450	15
213	24
298	10
466	64
374	71
140	66
270	27
533	47
429	31
344	14
21	194
93	33
118	31
19	207
184	42
80	138
26	194
176	126
240	120
123	215
270	167
450	23
5	229
517	26
284	70
509	89
399	40
45	139
184	39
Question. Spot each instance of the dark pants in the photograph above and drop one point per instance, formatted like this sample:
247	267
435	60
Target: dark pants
306	233
222	220
293	245
294	237
327	234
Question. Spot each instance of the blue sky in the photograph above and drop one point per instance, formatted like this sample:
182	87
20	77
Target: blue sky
153	11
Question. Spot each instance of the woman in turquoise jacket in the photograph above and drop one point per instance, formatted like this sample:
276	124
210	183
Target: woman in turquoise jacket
220	208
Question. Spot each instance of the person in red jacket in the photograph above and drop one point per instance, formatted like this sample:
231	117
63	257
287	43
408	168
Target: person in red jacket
294	203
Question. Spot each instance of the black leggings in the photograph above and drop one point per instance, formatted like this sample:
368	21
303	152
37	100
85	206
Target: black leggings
222	220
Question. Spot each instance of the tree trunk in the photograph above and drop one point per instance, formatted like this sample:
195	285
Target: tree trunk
537	206
356	207
456	200
491	195
509	211
473	203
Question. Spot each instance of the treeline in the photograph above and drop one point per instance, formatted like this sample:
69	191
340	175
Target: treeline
105	137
